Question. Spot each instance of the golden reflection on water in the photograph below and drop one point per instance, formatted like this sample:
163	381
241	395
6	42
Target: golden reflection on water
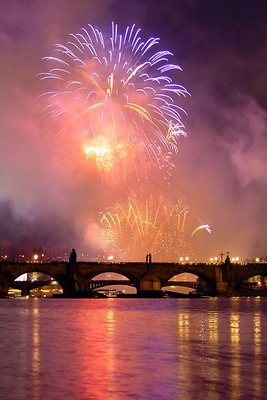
183	351
213	342
202	329
110	351
257	348
35	351
235	355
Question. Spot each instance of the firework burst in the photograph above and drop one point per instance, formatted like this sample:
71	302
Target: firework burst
139	227
119	88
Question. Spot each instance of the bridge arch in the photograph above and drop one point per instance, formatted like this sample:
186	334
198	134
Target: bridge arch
254	285
207	273
186	282
36	284
111	280
10	271
250	277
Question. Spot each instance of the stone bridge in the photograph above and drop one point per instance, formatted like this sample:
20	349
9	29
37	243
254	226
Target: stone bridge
221	279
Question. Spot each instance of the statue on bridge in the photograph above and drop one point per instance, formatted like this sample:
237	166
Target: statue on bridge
73	257
149	258
71	274
227	260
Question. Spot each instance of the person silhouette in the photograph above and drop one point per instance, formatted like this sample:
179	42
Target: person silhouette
73	257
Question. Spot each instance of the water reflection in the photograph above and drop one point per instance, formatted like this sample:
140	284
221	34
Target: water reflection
110	353
235	355
184	352
97	351
258	351
213	365
35	351
116	349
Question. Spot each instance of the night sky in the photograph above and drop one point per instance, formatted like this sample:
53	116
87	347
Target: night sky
48	199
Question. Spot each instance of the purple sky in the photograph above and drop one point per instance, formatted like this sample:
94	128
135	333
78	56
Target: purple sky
221	166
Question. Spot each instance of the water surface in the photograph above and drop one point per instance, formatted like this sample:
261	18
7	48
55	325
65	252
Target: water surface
120	349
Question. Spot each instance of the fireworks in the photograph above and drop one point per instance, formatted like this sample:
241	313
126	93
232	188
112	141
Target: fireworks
104	157
200	227
134	229
116	97
101	154
119	89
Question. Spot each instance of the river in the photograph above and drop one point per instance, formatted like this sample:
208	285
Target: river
143	349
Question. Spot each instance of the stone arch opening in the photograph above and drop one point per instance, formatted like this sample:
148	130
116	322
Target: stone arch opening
187	283
112	284
34	284
254	285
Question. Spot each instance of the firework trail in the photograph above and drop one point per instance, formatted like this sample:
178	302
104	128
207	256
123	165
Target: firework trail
133	229
200	227
118	91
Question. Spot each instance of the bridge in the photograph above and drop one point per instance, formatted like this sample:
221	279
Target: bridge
222	279
27	285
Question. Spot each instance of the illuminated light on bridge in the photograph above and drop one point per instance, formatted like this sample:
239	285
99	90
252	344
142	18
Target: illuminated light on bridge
214	260
184	259
235	259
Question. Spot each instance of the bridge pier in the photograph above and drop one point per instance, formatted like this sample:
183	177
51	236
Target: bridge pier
25	289
149	282
4	290
225	280
70	286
